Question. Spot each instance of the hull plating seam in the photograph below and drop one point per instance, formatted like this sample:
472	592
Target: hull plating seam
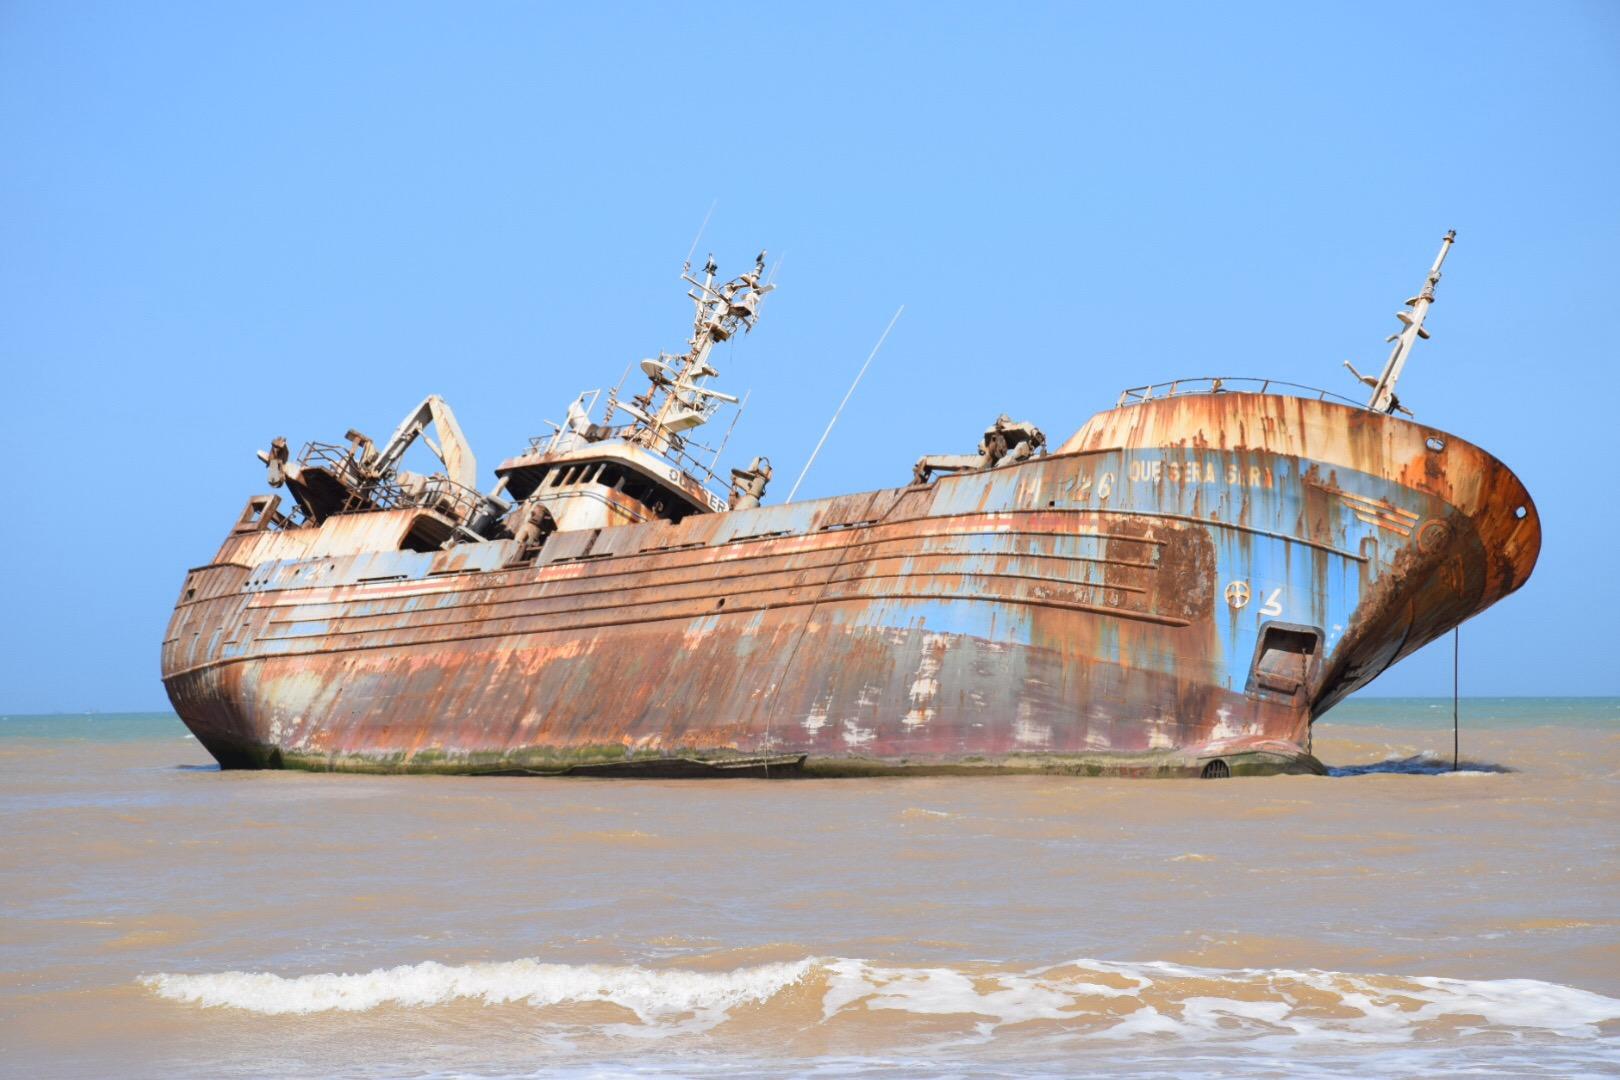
720	568
649	617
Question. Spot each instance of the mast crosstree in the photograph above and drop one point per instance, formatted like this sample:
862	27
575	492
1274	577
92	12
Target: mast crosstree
678	399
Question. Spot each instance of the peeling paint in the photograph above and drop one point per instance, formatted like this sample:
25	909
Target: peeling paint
1073	612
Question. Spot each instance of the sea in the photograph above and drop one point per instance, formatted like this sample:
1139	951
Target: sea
161	918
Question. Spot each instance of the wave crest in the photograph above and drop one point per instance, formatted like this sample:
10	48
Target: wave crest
650	994
1102	999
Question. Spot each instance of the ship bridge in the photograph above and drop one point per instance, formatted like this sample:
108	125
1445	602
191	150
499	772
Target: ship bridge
589	475
612	482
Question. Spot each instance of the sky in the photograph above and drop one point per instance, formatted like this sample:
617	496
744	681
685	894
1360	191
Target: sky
222	223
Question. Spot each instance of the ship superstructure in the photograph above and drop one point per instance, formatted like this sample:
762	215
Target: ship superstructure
1179	588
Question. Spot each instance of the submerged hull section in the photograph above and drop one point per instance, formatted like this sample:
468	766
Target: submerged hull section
1183	586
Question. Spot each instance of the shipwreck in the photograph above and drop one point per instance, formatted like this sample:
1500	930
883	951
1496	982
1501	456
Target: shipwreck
1179	588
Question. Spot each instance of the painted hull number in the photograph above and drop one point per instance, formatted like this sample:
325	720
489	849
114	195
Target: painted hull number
1238	594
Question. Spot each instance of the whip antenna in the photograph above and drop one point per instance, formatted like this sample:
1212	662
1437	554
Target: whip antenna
693	249
839	411
730	428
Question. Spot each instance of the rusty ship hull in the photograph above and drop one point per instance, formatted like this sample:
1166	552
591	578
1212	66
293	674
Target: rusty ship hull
1181	587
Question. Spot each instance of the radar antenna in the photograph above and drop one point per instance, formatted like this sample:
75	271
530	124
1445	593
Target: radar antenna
677	401
1383	398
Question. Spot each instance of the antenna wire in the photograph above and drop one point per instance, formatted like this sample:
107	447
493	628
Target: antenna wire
847	394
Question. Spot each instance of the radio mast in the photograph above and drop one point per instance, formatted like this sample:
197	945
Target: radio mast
1383	398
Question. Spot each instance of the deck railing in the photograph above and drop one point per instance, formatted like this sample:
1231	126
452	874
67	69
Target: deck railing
436	493
677	454
385	492
1235	384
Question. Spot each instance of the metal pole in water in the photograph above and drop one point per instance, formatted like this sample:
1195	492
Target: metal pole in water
1457	648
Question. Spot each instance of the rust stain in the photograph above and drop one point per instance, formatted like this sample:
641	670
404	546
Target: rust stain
1033	616
1183	585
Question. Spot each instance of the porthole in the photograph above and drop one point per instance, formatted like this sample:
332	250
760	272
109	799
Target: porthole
1435	443
1521	512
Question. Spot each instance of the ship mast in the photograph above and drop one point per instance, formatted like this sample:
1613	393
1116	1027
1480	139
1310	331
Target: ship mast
1383	398
677	400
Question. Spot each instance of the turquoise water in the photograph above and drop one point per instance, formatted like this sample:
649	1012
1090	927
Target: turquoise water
1479	713
94	727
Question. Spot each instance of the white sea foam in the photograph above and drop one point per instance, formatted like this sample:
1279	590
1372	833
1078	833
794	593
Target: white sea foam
1268	1008
651	994
1186	1001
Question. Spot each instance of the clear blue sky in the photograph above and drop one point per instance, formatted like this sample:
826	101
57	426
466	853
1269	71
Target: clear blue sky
221	223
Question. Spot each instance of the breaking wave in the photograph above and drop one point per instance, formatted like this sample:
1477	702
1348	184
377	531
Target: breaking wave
653	995
1098	999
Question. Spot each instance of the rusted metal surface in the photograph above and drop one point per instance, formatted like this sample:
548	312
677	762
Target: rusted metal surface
1180	589
1101	609
1005	442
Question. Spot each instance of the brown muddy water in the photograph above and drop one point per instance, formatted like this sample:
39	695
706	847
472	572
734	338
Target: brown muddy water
162	918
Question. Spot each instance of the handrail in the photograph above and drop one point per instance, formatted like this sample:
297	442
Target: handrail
675	454
337	458
437	493
385	492
1206	384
